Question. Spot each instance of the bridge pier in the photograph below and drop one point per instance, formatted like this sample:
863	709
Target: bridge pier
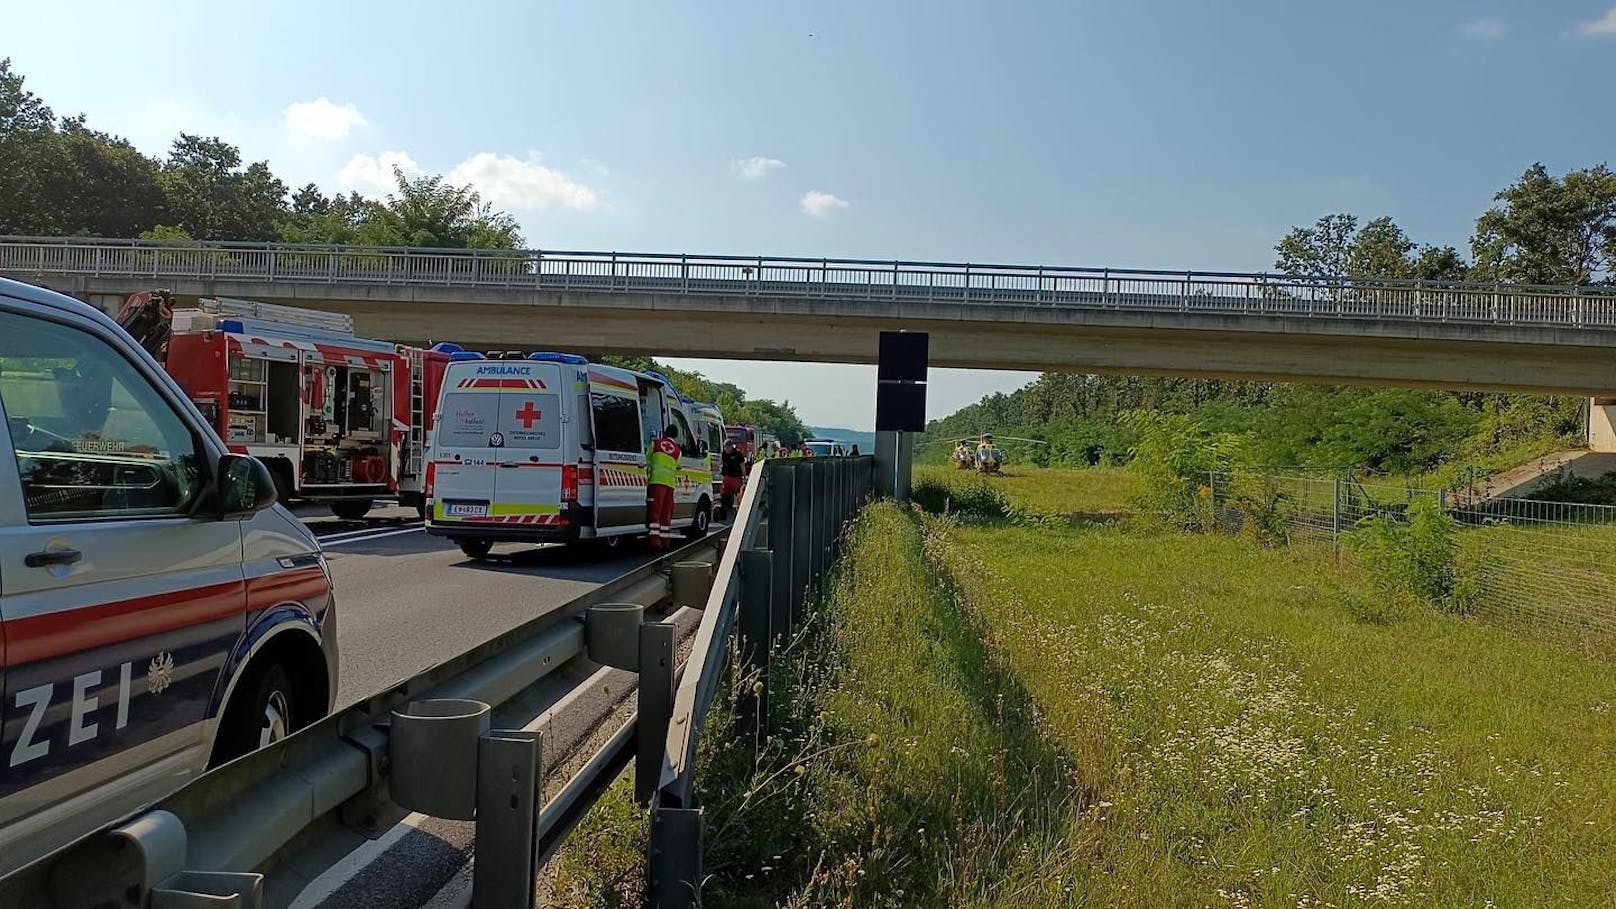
1602	424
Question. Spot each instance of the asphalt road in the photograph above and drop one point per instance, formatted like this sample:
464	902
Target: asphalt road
407	601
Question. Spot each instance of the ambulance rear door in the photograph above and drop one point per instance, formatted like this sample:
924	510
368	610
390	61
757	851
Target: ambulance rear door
527	487
464	458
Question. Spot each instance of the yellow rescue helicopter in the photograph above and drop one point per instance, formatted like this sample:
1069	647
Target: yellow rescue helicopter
981	453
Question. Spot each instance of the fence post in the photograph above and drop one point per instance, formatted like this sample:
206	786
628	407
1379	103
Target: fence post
757	575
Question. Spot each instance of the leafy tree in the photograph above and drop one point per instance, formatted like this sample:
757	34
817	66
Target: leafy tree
430	211
314	218
66	178
211	197
1550	230
1336	247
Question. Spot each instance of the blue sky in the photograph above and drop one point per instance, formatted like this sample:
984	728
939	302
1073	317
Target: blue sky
1171	134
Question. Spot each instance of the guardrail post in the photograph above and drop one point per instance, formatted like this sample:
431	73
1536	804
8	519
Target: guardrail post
675	857
655	707
692	583
801	535
509	771
757	634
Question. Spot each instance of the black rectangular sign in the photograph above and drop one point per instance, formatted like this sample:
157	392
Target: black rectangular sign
900	407
904	355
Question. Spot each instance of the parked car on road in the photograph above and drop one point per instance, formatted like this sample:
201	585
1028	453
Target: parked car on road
159	613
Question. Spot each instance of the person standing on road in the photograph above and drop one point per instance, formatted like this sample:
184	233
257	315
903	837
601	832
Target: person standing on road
732	467
661	476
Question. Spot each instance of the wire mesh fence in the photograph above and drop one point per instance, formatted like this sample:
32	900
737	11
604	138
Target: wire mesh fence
1545	568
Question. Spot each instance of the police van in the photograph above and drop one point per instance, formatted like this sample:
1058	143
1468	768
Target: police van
551	449
158	613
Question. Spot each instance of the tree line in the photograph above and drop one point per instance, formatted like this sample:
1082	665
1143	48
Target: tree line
63	178
1542	229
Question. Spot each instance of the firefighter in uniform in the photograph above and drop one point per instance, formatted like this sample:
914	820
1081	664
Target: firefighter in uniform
661	476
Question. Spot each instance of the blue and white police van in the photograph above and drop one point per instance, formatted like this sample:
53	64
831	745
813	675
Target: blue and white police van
159	613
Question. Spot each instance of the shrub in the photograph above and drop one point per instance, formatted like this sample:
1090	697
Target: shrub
975	499
1419	554
1175	458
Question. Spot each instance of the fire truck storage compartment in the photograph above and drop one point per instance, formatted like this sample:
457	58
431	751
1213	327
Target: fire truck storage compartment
283	402
346	425
247	392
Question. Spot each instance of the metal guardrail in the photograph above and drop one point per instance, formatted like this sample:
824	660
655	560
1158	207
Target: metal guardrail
854	280
780	548
252	833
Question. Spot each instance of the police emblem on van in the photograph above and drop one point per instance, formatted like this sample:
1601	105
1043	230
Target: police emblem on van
160	673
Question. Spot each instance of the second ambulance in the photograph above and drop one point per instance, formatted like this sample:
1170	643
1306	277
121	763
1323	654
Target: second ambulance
552	449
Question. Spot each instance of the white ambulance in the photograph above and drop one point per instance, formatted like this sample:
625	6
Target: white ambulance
551	449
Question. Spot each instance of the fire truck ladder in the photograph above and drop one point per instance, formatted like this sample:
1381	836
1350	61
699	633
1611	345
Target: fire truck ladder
417	442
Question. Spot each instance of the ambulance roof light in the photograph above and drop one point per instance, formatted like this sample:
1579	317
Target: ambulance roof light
549	356
460	355
448	347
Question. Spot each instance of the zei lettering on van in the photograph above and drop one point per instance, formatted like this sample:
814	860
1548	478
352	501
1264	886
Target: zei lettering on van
83	700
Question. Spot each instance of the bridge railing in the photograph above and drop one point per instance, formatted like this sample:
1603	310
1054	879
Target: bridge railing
1226	293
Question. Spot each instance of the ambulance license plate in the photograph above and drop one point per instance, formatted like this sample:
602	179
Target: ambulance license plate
466	509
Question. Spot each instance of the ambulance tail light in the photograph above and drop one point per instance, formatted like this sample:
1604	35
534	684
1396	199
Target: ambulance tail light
569	483
431	478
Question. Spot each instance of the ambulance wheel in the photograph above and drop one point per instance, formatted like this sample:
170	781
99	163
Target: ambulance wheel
477	549
262	712
351	509
703	521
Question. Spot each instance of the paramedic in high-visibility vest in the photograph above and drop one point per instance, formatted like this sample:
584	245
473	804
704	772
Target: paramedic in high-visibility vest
661	476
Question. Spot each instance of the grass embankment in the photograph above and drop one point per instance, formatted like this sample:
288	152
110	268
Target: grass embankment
1072	715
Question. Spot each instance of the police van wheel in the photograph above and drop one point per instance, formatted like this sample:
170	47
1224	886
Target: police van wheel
477	549
702	522
264	712
351	509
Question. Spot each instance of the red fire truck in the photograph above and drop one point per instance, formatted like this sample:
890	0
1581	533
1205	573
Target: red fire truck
338	419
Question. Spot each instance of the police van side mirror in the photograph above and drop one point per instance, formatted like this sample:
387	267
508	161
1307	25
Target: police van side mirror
246	486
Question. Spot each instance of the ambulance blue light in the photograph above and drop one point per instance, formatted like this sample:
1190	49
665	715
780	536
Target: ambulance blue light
465	355
448	347
547	356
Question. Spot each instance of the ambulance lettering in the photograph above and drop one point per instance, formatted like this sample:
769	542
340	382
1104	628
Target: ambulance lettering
84	700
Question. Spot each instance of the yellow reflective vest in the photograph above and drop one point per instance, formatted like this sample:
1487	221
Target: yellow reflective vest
662	463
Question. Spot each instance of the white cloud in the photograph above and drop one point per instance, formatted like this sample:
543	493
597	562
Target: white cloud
756	167
373	174
522	185
1486	29
1603	27
821	204
510	183
322	120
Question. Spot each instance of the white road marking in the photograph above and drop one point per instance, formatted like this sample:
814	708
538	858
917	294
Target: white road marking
328	542
354	862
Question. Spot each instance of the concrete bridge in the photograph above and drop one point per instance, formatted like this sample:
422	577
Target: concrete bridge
1224	325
